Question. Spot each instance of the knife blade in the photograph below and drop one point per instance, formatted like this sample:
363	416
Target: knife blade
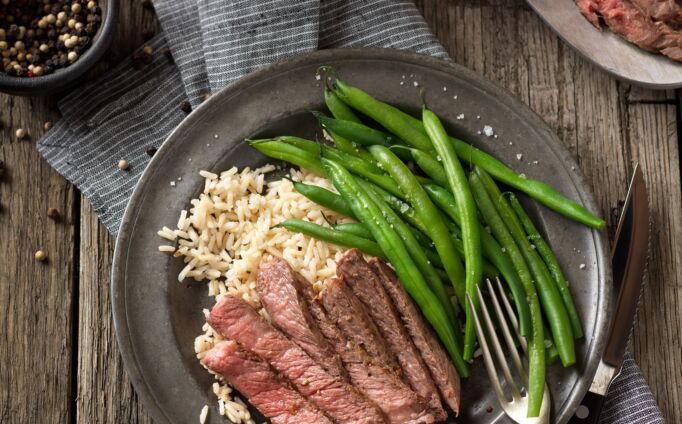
629	256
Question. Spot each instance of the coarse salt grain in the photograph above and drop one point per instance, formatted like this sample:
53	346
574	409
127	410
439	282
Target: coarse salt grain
519	156
460	116
583	266
488	131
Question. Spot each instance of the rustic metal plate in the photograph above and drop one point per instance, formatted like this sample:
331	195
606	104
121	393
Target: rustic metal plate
157	318
607	50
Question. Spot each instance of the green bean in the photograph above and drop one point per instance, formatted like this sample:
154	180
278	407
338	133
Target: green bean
471	233
357	132
388	116
550	298
309	146
369	214
420	259
412	131
332	236
355	228
431	166
536	344
348	146
427	213
338	108
324	197
492	251
363	168
292	154
552	264
551	352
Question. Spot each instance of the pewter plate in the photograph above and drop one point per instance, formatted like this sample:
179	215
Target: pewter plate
605	49
157	318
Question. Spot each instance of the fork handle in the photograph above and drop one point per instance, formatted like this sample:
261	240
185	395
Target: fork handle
589	410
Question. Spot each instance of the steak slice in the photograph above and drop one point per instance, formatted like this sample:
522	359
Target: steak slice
423	336
255	379
668	11
349	314
629	22
368	288
289	313
383	387
234	319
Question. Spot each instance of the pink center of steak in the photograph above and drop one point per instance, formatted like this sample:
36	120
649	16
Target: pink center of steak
289	313
436	359
366	285
255	379
234	319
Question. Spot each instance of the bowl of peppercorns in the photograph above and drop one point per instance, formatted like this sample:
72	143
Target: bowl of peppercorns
47	45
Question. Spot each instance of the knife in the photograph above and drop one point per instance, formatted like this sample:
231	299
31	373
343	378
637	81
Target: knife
629	259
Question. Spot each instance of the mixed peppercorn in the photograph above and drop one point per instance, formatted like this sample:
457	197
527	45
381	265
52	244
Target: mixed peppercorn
38	37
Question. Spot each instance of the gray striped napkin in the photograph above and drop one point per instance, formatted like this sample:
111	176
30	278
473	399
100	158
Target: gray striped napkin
213	43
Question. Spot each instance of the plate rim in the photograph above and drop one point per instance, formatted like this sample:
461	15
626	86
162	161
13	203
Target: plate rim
585	193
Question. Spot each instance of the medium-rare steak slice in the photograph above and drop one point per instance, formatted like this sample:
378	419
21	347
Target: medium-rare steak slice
349	314
289	313
383	387
368	288
435	357
255	379
668	11
628	21
234	319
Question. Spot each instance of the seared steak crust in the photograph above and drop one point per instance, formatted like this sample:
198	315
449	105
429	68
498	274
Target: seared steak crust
234	319
289	313
255	379
426	341
383	387
366	285
668	11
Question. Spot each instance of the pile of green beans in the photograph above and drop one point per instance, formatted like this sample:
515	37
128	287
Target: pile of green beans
449	226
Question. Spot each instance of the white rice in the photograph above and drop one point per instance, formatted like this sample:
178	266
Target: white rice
228	231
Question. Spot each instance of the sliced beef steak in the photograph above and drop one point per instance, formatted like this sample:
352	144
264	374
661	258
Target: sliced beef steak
366	285
668	11
383	387
255	379
234	319
631	23
435	357
289	313
349	314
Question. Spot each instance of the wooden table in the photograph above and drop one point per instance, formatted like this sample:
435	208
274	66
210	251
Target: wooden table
59	361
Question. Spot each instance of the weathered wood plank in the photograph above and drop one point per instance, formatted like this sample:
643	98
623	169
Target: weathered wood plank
105	394
652	130
35	298
607	125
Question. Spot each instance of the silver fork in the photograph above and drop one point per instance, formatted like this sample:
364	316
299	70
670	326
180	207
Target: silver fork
517	407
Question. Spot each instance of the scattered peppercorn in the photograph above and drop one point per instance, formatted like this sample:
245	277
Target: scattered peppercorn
20	133
151	150
185	106
167	52
47	125
52	213
123	164
41	256
39	37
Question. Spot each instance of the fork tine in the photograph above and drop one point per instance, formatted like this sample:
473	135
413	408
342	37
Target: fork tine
516	359
501	359
512	316
487	359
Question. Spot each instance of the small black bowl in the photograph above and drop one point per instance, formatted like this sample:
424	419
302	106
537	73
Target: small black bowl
62	78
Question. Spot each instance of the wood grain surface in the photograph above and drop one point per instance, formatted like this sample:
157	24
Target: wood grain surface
59	361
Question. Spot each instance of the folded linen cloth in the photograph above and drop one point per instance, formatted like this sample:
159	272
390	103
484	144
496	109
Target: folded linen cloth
213	43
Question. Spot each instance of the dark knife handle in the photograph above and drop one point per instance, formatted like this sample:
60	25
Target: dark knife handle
589	410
